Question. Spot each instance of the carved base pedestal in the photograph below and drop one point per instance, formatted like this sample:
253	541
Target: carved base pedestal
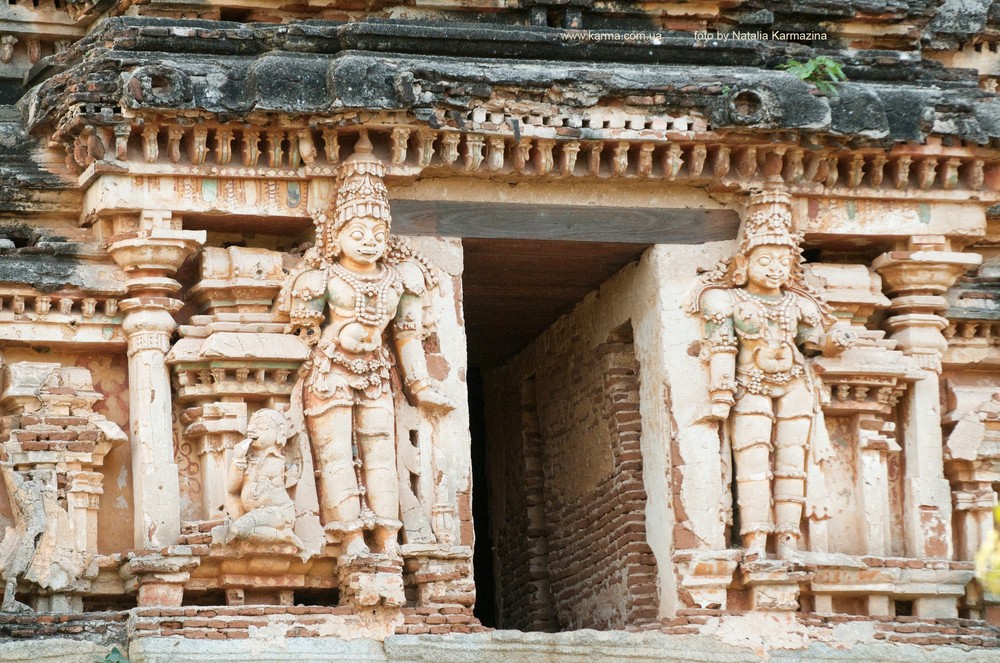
159	579
371	580
704	576
773	585
152	592
59	602
439	574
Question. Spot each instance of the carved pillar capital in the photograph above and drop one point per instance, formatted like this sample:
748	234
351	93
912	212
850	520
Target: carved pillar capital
150	247
149	322
917	279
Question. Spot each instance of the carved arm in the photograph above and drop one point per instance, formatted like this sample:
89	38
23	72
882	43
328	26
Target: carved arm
721	345
408	328
308	302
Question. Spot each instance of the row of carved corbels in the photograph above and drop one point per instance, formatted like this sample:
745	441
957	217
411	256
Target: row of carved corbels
960	331
33	47
681	157
44	304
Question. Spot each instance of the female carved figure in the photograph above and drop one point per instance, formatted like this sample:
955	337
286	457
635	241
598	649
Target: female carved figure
356	295
258	483
760	323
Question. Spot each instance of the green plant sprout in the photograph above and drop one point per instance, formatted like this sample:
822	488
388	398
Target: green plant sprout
822	71
114	656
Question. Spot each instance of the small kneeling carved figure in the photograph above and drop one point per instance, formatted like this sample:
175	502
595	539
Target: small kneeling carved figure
259	479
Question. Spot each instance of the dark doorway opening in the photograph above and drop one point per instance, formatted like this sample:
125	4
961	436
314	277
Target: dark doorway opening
513	290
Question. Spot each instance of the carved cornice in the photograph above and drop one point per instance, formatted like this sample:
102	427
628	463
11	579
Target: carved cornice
533	107
672	149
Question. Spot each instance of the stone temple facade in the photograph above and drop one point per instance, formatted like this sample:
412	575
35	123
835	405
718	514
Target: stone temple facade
498	330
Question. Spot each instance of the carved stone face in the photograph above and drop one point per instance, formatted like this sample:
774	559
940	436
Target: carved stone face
262	432
364	241
768	268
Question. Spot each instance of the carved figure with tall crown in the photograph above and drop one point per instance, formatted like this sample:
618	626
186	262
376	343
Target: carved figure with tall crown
356	298
761	321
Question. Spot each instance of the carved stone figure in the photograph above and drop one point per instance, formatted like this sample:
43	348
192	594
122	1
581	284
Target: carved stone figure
258	483
760	323
37	548
354	290
20	542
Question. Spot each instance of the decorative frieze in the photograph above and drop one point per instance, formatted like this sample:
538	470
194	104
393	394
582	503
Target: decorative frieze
676	151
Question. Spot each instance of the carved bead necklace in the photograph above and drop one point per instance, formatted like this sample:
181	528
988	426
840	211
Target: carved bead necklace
781	311
370	293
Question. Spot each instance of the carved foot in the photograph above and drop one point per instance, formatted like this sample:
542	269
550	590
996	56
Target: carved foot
15	606
387	540
10	604
755	544
788	545
355	546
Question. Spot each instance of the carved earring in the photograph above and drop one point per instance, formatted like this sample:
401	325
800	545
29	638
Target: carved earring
739	270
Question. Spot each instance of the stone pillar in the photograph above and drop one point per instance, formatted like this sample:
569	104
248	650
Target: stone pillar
216	429
973	503
83	497
916	279
150	248
875	443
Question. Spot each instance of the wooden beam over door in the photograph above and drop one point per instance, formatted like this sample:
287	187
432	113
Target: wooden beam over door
577	223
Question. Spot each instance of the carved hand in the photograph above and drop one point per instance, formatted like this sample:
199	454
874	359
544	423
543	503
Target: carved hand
719	411
306	330
715	412
839	339
432	397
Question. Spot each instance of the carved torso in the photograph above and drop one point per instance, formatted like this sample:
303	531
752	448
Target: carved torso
360	308
767	333
264	484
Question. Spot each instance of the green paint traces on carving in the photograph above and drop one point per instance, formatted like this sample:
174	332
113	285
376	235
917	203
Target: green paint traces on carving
852	209
209	190
294	194
924	210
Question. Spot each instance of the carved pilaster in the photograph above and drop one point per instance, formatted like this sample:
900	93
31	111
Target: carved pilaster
916	279
150	249
216	428
972	463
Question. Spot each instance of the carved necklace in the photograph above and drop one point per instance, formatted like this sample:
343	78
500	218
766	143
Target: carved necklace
370	293
780	311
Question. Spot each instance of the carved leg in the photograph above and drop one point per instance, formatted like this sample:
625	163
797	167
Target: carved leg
10	604
339	498
376	444
752	423
794	414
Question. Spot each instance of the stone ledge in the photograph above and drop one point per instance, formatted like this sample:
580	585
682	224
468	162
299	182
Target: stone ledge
517	647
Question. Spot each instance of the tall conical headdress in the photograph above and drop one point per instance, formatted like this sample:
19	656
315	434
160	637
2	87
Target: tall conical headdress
360	190
360	193
770	222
